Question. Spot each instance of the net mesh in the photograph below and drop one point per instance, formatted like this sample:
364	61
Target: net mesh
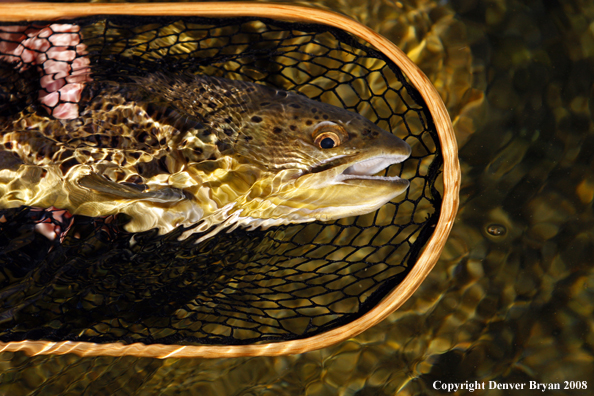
77	278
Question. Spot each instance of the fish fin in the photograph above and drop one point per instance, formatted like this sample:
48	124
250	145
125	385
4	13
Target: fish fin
100	184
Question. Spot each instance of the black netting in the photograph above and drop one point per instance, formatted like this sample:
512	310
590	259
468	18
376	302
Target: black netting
85	279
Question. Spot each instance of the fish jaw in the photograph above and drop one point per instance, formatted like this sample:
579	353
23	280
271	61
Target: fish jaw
353	198
351	188
357	176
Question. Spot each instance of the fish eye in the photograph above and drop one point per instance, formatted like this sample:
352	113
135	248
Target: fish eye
328	134
327	140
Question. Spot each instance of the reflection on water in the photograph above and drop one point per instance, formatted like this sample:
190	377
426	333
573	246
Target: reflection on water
511	298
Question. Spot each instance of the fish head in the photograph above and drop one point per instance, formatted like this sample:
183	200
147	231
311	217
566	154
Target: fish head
323	159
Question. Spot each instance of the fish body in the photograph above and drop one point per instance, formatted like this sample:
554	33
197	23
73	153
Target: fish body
179	150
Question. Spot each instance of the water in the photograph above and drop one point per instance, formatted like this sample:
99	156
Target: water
510	300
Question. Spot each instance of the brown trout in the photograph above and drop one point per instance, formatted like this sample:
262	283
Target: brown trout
180	150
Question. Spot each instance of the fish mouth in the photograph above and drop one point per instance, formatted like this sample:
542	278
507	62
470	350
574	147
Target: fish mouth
344	186
367	168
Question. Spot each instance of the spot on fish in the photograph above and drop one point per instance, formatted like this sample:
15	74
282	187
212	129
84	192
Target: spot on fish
66	165
143	137
282	94
65	154
228	131
162	164
293	127
134	179
264	104
91	128
222	146
277	130
256	119
308	122
228	120
295	106
325	116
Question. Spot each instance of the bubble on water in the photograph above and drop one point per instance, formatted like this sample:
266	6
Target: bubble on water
496	230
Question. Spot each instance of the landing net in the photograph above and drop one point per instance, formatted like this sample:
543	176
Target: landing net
99	284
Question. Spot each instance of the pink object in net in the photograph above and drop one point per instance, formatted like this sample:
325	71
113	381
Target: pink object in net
49	224
60	58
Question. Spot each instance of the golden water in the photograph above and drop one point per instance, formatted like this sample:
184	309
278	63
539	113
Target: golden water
510	300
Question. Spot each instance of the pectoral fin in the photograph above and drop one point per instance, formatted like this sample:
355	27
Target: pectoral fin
100	184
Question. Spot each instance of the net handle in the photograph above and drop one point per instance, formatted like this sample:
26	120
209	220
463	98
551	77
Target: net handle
27	12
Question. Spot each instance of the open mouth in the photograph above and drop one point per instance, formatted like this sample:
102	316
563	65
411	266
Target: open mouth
366	169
